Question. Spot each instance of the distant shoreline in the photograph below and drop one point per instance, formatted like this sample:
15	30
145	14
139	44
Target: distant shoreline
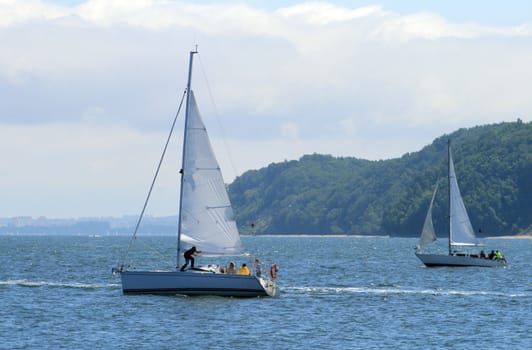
81	234
317	236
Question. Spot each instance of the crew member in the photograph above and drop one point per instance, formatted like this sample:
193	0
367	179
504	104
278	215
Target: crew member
189	256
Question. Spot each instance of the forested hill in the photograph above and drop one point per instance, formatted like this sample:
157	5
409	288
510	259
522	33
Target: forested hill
321	194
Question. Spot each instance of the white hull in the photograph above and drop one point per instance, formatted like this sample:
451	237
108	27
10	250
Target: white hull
431	260
196	283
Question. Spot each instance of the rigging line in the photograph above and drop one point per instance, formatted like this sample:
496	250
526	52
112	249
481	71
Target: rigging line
217	114
154	178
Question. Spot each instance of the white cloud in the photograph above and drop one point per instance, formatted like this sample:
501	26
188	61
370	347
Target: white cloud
13	12
69	165
290	130
95	84
326	13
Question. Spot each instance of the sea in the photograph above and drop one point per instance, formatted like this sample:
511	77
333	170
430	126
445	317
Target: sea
58	292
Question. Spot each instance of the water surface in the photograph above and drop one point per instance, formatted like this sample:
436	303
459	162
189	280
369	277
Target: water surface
336	293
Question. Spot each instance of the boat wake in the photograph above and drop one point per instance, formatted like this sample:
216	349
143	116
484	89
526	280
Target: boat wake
52	284
394	290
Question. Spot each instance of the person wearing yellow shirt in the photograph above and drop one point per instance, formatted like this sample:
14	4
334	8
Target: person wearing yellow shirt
243	270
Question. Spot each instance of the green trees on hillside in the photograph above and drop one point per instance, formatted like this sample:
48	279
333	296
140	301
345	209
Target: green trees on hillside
321	194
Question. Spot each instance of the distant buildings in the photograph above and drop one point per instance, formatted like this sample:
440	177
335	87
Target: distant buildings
109	226
21	221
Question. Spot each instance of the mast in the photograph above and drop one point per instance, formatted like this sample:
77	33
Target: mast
192	53
449	188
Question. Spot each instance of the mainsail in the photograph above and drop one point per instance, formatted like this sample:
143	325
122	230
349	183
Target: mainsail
428	234
460	230
206	216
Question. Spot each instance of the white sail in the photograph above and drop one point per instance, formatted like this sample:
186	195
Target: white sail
460	231
207	219
428	234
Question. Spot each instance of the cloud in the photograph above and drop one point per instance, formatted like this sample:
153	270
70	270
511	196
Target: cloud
84	88
324	13
60	167
19	12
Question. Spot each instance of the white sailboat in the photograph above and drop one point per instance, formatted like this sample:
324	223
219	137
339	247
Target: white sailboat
461	234
205	221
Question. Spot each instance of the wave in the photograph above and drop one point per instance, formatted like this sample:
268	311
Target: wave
34	284
319	236
391	291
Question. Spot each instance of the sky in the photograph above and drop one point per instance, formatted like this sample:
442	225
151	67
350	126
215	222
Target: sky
89	89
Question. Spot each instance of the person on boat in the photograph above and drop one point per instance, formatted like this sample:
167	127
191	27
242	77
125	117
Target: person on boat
491	255
189	256
498	255
482	254
256	268
243	270
231	268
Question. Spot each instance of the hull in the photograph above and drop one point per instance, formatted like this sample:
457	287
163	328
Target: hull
196	283
431	260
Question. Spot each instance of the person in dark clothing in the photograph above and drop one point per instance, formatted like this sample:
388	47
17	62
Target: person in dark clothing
189	256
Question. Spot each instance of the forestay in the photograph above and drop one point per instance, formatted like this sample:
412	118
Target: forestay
206	217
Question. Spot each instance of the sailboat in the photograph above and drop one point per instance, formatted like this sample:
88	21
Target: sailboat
206	221
460	234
